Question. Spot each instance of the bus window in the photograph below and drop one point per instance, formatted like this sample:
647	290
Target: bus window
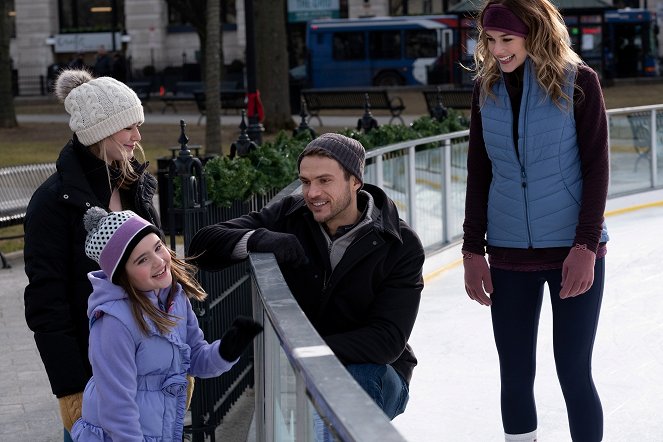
420	43
348	46
384	44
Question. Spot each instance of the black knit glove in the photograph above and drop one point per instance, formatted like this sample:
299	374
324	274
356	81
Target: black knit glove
238	337
285	246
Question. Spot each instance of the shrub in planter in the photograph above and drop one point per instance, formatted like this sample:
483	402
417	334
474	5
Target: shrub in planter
273	165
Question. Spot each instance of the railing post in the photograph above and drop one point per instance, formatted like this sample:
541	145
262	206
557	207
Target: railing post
379	172
652	151
412	186
446	190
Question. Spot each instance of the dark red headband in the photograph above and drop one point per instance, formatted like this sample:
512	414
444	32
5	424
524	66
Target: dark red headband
500	18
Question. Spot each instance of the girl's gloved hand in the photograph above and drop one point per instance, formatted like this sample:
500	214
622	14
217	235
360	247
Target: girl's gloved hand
238	337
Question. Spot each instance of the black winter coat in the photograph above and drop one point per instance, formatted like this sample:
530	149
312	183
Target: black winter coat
365	309
56	264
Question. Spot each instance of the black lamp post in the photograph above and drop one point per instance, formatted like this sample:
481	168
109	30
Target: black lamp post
113	24
255	129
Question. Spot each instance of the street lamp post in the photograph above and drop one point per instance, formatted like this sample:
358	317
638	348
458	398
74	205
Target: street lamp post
255	129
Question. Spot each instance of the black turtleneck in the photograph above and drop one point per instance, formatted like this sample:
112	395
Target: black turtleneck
514	87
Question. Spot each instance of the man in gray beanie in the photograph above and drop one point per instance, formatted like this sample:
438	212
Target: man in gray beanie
353	265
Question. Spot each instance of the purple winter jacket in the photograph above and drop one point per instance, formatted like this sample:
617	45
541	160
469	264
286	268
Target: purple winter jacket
138	388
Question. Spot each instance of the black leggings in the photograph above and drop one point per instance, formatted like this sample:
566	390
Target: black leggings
515	311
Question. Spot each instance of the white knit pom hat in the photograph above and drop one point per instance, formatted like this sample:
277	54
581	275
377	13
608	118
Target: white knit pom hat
99	107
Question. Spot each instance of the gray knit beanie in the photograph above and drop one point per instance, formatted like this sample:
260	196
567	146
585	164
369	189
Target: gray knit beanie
99	107
347	151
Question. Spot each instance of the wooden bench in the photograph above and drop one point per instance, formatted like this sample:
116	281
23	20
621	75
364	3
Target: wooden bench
230	99
640	123
456	98
183	92
323	99
143	89
17	184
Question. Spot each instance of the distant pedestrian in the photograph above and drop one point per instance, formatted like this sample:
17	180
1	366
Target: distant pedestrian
103	63
536	192
119	68
78	62
144	335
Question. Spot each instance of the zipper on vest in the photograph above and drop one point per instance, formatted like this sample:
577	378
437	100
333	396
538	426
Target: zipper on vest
523	183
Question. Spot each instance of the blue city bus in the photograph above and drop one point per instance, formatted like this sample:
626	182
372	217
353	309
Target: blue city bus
382	51
630	43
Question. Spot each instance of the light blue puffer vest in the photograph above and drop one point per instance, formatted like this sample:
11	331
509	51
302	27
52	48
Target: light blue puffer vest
534	199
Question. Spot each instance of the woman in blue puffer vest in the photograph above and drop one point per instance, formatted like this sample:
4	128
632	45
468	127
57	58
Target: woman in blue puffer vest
144	336
536	191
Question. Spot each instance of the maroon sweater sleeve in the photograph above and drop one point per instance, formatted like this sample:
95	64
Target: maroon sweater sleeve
479	177
592	136
592	133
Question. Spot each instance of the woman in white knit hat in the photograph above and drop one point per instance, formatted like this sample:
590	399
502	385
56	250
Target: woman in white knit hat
96	167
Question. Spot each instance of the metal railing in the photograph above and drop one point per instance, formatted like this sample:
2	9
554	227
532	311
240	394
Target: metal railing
298	377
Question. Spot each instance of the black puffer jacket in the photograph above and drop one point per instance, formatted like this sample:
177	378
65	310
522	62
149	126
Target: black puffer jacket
366	307
56	264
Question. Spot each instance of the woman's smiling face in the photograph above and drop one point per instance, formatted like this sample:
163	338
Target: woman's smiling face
509	50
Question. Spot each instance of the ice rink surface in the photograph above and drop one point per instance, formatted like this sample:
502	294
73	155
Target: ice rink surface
454	394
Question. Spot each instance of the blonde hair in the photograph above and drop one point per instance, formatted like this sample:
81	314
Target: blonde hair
548	45
141	307
128	175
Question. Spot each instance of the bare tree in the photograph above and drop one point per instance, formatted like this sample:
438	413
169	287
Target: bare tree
7	111
205	16
272	64
213	79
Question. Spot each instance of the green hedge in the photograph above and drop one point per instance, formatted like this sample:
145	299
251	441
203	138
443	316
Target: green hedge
274	164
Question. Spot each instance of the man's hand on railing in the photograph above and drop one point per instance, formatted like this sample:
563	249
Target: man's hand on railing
285	246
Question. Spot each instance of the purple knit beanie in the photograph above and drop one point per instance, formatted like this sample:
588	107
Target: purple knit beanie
498	17
347	151
112	237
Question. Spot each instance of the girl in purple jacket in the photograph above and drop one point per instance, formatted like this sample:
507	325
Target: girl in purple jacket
144	336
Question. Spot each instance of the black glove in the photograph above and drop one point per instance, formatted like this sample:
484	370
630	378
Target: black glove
238	337
285	246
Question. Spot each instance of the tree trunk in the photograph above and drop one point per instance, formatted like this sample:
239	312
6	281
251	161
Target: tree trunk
7	111
213	79
272	64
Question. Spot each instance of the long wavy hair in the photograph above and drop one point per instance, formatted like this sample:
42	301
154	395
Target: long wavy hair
548	45
141	307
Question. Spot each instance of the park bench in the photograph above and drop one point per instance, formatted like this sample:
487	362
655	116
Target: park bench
143	90
230	99
323	99
453	97
17	184
182	92
640	123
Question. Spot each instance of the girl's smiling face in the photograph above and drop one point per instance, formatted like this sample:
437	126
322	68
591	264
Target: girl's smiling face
509	50
148	266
